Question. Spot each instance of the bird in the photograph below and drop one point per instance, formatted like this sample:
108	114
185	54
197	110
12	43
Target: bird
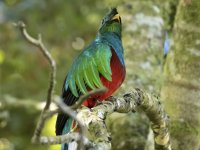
100	64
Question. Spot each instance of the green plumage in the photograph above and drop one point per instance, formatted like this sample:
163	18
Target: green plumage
93	61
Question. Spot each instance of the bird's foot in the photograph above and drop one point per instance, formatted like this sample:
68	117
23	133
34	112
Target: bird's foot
109	98
98	102
75	127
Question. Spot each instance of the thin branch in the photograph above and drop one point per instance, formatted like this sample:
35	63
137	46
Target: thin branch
38	43
67	138
89	94
71	113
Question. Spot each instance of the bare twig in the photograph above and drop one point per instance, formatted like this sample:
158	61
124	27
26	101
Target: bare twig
38	43
67	138
68	111
89	94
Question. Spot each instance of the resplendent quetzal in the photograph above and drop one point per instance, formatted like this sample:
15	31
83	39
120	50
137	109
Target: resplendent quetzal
100	64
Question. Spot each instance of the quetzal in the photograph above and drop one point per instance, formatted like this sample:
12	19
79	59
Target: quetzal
101	64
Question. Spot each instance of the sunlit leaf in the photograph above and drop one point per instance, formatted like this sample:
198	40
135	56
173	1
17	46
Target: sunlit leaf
2	56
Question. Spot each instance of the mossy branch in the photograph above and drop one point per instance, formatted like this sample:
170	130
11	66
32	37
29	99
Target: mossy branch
136	100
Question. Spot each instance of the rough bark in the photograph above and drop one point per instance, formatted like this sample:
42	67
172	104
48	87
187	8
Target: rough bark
137	100
181	88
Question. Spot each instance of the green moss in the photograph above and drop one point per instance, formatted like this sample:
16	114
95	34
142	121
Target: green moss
184	57
189	12
181	88
190	134
129	131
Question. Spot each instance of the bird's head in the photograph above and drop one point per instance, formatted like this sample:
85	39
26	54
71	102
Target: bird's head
111	23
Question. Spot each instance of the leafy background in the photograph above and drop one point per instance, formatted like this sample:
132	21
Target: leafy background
67	26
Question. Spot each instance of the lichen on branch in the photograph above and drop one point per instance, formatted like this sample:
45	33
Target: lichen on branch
93	119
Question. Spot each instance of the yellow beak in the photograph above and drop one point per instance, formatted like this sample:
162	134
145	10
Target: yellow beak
117	16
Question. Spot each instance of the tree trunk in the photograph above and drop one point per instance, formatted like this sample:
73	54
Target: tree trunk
181	88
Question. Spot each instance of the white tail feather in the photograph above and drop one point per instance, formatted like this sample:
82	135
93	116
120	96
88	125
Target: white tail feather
72	146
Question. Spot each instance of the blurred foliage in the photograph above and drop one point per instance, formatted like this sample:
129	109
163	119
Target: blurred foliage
134	136
182	72
67	26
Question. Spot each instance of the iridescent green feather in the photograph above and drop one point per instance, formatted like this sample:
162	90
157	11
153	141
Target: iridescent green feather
95	74
104	69
79	80
88	81
72	86
105	63
86	70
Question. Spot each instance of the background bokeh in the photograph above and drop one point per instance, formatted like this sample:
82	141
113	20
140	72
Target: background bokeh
67	26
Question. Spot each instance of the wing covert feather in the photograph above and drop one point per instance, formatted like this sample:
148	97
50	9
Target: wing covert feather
86	69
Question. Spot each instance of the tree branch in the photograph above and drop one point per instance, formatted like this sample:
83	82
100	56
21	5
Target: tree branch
68	111
136	100
38	43
152	107
89	94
